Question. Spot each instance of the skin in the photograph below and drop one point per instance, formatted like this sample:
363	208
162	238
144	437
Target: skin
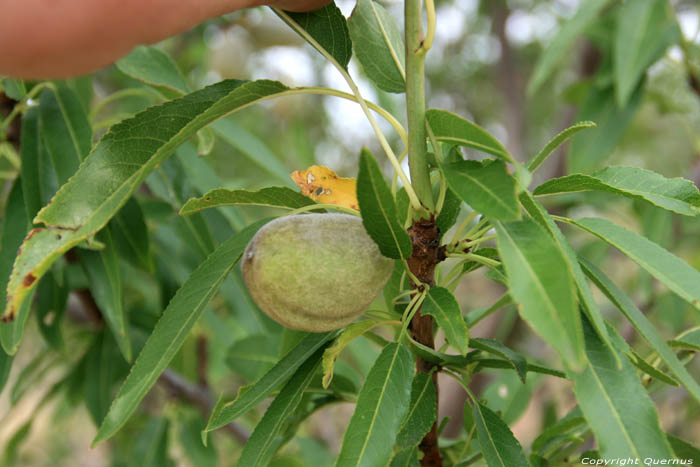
44	39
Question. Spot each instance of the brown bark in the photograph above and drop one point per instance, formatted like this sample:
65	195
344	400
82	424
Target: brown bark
427	253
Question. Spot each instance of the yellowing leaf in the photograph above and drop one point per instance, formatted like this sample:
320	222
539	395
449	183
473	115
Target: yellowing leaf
322	185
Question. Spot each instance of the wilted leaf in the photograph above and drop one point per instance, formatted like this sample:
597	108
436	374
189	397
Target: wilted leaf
321	184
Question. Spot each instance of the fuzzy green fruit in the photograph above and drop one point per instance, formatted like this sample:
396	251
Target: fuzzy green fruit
314	272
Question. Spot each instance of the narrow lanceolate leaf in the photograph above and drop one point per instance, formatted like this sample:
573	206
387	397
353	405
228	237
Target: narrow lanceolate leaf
557	141
589	305
14	88
617	407
252	148
379	210
449	213
130	235
254	355
102	270
5	367
381	406
590	149
498	445
263	441
31	170
182	313
672	271
65	130
443	306
487	188
518	362
421	414
333	352
378	45
406	458
645	29
249	396
645	328
450	127
689	339
683	449
325	29
116	167
14	228
562	43
674	194
539	280
274	196
155	68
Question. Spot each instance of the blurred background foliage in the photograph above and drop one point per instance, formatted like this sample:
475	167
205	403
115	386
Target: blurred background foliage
482	66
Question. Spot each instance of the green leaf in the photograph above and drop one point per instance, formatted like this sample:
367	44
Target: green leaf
253	356
325	29
116	167
422	412
588	151
443	306
249	396
151	445
562	43
274	196
450	127
51	300
645	29
487	188
539	280
176	321
586	300
683	449
102	270
31	169
381	406
263	441
406	458
378	45
557	141
155	68
449	213
102	364
379	210
643	326
508	365
5	367
255	150
130	235
65	130
674	194
498	445
518	362
14	229
617	407
332	353
675	273
14	88
689	339
572	421
190	426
